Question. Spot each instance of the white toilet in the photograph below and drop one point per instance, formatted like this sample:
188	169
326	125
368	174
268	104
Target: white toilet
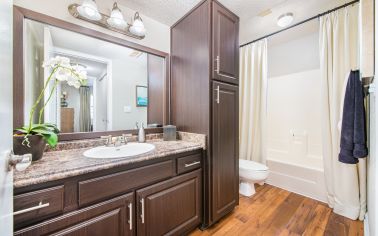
251	172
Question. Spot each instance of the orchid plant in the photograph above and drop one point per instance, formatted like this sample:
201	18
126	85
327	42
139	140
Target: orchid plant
61	71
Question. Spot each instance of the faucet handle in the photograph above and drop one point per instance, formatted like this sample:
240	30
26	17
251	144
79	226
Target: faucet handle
125	136
109	139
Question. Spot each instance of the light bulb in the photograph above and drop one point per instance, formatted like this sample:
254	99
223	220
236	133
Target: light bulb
116	18
89	10
138	27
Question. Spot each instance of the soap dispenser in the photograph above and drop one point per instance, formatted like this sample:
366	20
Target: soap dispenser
141	134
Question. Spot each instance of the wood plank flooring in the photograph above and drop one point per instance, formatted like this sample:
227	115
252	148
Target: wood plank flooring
274	211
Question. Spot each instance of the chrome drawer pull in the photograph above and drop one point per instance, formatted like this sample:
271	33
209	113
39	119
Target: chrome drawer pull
130	216
192	164
142	214
40	206
217	60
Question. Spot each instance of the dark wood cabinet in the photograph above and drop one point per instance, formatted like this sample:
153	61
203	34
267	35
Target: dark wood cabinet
172	207
225	149
205	55
225	45
113	217
166	193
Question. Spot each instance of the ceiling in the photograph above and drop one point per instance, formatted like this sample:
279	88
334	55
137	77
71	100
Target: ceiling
252	23
169	11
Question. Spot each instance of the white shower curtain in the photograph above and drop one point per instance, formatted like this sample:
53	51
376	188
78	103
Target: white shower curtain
339	54
253	92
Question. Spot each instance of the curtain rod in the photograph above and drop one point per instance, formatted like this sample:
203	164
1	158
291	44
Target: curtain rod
301	22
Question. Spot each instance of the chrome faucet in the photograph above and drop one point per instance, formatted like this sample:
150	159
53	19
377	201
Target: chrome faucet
109	140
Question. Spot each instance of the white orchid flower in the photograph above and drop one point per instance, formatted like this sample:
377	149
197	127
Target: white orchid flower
74	75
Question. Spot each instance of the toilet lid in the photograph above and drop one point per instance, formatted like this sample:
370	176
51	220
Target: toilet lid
251	165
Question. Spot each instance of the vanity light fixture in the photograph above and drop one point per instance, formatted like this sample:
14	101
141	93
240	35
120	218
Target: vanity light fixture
285	19
88	11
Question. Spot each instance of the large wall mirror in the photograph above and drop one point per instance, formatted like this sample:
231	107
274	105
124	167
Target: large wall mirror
125	85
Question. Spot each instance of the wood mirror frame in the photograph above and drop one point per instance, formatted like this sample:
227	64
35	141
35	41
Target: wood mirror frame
19	14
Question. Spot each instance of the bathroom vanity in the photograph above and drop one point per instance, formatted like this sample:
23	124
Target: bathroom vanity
156	193
179	186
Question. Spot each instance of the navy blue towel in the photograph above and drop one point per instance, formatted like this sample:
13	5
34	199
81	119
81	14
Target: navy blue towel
353	128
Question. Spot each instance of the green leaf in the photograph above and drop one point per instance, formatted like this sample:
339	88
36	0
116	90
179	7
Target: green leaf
51	139
42	131
22	130
44	126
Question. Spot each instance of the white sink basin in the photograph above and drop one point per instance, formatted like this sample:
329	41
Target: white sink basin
128	150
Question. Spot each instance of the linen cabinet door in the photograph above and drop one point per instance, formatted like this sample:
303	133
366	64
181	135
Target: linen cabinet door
172	207
225	149
114	217
225	45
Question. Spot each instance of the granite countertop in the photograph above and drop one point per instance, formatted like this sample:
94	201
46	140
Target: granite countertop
56	165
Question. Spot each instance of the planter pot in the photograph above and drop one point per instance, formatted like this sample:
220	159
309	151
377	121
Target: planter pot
37	146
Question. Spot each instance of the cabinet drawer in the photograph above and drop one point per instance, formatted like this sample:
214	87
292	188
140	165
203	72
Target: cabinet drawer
38	205
112	217
188	163
101	188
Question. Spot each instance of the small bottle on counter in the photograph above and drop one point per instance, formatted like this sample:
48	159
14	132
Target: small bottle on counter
141	134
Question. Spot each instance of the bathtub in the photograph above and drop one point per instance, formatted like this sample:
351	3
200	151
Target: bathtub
304	176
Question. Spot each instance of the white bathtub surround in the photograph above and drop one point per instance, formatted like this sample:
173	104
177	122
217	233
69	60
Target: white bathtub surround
253	88
339	50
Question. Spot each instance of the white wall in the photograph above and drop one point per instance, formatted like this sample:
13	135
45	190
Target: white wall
33	71
127	73
372	165
158	34
6	125
294	152
100	95
294	128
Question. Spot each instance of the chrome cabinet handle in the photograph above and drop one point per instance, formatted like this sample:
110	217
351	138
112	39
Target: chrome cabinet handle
217	64
40	206
142	214
192	164
130	216
217	69
218	98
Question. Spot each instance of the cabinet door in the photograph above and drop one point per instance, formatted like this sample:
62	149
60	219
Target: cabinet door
225	45
172	207
225	153
113	217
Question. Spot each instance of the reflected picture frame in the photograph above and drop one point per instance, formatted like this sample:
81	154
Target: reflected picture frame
141	96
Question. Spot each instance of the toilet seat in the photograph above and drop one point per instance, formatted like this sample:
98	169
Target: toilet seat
252	165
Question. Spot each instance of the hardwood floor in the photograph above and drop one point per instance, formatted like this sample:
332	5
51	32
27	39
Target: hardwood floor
274	211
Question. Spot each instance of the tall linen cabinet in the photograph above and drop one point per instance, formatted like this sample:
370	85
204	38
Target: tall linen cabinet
205	97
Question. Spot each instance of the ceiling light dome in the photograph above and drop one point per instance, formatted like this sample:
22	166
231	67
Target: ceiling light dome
138	27
89	10
285	19
116	18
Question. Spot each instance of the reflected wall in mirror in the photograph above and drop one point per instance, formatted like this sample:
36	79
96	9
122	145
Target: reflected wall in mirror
109	100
